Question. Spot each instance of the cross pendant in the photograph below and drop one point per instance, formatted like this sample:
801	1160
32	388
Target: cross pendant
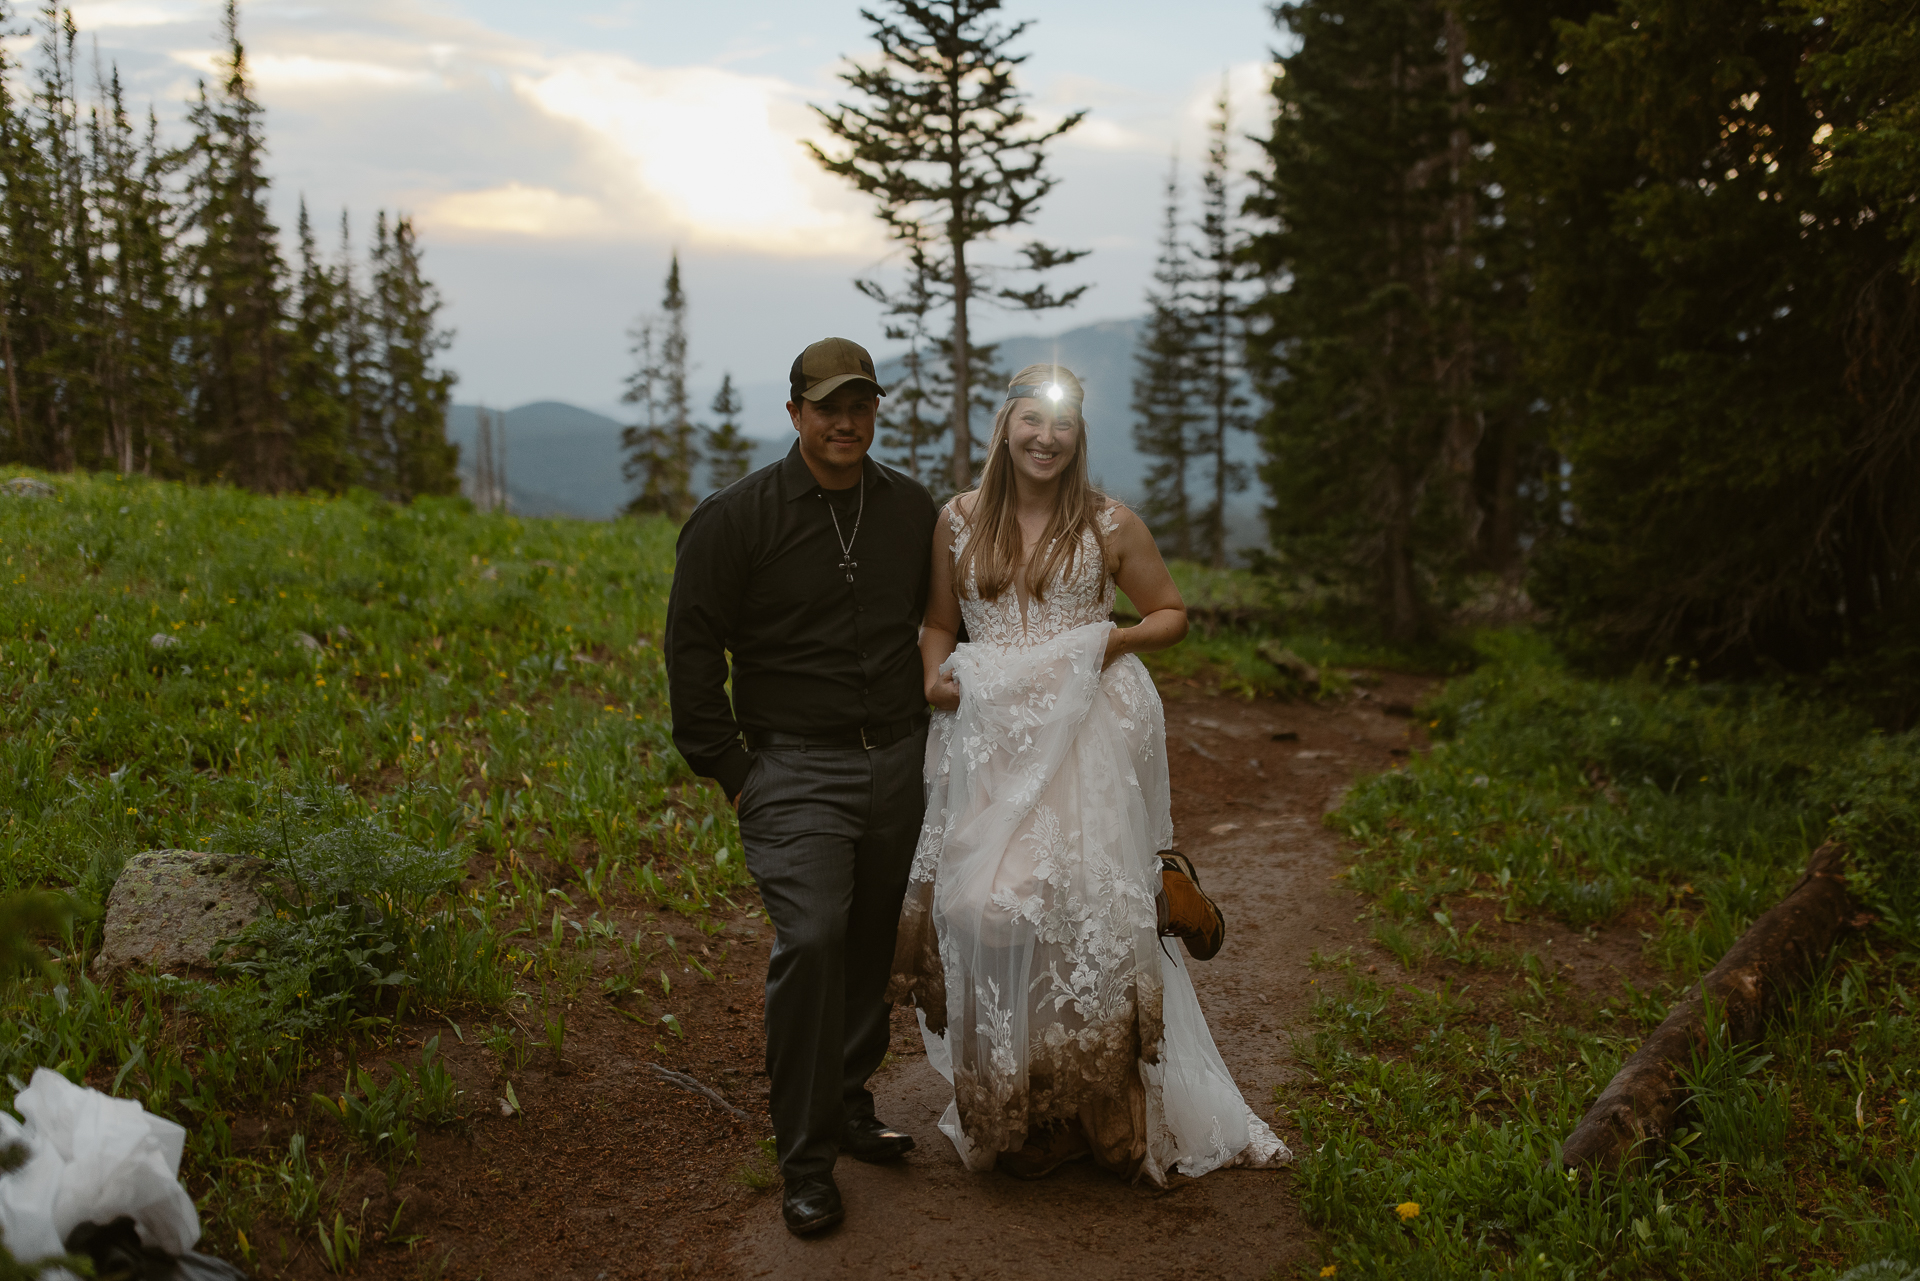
848	566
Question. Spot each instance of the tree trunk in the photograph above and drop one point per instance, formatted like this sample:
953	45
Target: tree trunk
13	385
1776	954
962	392
1454	357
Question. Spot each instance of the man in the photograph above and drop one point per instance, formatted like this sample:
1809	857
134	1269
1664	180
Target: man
813	573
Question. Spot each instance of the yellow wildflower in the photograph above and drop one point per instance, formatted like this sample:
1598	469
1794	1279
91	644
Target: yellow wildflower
1329	1270
1407	1209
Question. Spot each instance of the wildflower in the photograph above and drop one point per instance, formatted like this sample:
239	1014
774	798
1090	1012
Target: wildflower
1407	1209
1329	1270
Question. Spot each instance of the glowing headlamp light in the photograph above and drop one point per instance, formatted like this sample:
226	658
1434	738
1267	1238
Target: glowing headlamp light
1052	391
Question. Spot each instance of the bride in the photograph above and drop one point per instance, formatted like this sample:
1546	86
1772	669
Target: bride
1028	937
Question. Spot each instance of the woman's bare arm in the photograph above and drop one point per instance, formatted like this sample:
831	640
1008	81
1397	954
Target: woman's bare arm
1143	576
940	631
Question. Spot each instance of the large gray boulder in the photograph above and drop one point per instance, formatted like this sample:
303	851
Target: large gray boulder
170	907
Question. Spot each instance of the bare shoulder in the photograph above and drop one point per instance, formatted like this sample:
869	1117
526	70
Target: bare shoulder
1120	521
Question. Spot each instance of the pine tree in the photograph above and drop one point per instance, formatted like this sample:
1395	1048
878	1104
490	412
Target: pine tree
728	449
1355	325
1218	343
942	141
359	369
147	329
660	448
17	192
319	403
237	287
1722	329
986	392
44	203
1164	387
908	424
414	393
642	439
146	398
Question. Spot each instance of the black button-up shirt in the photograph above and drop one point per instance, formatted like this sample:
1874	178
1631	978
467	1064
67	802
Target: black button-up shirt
757	572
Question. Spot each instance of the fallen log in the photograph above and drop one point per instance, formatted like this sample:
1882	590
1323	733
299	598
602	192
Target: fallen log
1778	953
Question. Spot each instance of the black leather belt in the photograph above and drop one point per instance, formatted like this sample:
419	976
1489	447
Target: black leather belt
867	738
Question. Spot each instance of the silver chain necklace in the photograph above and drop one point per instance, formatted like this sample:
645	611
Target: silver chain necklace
847	563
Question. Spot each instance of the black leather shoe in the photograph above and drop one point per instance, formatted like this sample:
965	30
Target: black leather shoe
872	1140
811	1205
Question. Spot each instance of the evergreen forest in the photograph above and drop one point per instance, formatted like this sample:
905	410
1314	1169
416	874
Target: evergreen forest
1578	346
150	324
1617	303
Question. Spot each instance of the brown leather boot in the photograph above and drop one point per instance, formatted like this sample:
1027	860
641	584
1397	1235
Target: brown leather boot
1185	911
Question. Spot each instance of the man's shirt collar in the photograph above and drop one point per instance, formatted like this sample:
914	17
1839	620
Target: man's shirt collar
796	478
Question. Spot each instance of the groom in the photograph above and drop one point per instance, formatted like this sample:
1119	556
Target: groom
813	573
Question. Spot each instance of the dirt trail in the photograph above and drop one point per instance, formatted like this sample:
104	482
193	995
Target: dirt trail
1248	809
608	1173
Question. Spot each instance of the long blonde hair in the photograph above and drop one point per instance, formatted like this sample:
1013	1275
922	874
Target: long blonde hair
994	547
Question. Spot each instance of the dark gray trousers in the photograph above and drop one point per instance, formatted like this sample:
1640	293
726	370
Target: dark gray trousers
829	838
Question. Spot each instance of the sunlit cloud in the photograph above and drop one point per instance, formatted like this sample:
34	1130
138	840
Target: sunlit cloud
1103	134
137	13
714	153
1248	86
270	71
517	210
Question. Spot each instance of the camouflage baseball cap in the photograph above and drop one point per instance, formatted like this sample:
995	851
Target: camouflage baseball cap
827	364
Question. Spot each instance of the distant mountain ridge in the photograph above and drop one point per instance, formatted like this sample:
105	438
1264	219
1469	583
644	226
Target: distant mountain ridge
565	461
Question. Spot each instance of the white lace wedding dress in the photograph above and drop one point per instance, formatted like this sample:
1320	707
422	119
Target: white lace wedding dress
1028	938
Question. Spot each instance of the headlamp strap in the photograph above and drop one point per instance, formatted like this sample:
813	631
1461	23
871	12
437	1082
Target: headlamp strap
1029	391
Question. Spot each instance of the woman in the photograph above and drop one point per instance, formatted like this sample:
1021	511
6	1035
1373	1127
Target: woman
1028	936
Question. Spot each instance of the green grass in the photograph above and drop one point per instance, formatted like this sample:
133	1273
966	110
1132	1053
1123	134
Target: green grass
1447	1087
1242	622
445	731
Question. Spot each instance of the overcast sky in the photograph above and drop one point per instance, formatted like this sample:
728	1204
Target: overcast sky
553	154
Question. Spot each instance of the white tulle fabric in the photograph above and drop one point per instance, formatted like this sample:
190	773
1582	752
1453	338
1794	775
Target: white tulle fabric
1028	935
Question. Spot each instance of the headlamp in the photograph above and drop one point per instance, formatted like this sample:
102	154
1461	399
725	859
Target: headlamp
1052	391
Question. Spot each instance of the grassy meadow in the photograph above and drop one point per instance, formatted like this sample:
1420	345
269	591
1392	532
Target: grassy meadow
446	732
1672	813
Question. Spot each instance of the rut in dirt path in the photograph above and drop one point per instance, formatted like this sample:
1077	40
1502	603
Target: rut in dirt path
1247	808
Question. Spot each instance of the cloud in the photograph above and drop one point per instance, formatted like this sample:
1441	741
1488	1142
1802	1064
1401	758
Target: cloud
1103	134
137	13
1249	104
303	72
713	154
517	210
